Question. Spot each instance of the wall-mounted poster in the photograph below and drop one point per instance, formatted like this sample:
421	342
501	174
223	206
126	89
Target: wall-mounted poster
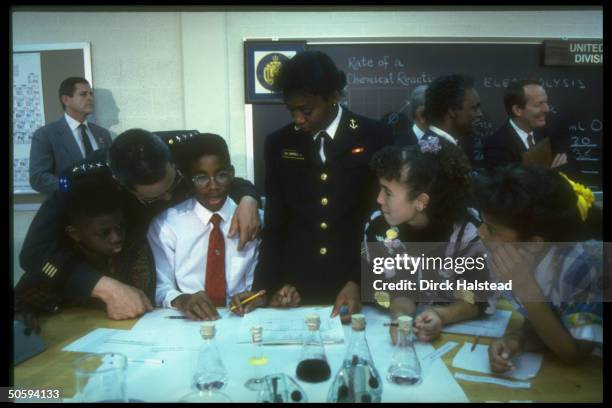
28	114
263	60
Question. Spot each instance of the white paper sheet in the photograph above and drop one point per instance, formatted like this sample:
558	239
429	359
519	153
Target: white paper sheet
288	326
173	379
527	364
491	326
492	380
439	352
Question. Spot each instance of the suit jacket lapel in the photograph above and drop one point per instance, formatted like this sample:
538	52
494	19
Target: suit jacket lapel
98	136
304	144
67	140
516	140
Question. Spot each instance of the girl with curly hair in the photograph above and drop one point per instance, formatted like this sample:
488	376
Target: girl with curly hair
423	198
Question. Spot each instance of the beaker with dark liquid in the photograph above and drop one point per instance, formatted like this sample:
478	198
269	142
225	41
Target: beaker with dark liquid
313	366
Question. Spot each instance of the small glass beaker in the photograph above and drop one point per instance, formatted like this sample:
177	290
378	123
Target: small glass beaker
100	377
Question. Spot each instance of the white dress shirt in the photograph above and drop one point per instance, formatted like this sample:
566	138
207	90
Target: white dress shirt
76	132
443	134
331	131
417	132
179	240
522	134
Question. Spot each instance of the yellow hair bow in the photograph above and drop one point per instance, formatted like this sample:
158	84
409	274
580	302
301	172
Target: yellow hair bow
585	197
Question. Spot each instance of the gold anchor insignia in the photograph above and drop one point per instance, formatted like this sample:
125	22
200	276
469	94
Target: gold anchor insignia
353	124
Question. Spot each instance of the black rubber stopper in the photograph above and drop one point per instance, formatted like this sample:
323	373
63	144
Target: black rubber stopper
296	396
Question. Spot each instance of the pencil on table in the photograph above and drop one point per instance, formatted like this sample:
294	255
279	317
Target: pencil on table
475	343
249	299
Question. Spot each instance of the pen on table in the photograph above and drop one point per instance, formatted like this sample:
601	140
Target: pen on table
391	324
176	317
249	299
146	361
475	343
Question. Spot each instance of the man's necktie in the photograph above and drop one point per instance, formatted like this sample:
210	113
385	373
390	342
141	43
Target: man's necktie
324	143
530	140
85	138
215	264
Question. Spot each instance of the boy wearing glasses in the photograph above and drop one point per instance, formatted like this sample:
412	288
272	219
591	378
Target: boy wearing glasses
198	267
146	167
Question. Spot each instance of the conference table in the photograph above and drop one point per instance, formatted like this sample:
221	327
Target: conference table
555	382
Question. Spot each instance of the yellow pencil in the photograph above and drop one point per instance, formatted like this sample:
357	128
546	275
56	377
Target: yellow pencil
247	300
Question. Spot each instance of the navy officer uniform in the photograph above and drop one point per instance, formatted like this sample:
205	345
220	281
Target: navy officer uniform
314	210
43	255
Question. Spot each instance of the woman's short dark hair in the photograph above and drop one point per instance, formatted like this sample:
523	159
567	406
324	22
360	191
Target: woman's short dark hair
138	157
444	93
532	200
443	175
309	72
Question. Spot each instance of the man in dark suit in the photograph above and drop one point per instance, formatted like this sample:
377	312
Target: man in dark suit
146	167
526	104
452	108
68	140
419	125
319	190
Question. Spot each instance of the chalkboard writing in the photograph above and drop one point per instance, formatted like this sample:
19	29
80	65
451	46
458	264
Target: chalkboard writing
380	78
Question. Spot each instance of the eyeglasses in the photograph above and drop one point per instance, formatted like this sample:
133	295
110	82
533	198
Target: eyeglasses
222	177
177	181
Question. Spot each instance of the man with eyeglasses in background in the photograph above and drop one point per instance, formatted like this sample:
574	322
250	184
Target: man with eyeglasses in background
146	168
198	268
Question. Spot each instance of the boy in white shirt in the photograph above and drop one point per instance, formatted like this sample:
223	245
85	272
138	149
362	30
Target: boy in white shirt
199	268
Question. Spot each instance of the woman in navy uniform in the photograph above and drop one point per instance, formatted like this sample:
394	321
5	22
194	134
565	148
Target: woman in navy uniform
319	190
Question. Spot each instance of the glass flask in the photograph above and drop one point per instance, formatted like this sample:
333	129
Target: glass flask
257	360
405	368
210	374
281	388
357	380
313	366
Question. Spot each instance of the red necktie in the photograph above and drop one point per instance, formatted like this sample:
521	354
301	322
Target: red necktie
215	264
530	140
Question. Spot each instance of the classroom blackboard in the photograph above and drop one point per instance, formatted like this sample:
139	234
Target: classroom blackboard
37	72
381	76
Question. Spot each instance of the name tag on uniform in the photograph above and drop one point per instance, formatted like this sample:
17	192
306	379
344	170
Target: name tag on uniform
358	150
291	155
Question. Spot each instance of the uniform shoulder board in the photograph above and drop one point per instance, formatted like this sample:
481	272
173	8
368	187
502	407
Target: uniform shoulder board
80	170
87	167
174	137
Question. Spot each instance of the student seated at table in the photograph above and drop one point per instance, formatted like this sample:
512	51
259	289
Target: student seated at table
199	268
95	228
557	280
423	199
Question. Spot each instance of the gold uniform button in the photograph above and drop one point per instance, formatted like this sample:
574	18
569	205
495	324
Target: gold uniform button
324	201
323	251
323	226
323	176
